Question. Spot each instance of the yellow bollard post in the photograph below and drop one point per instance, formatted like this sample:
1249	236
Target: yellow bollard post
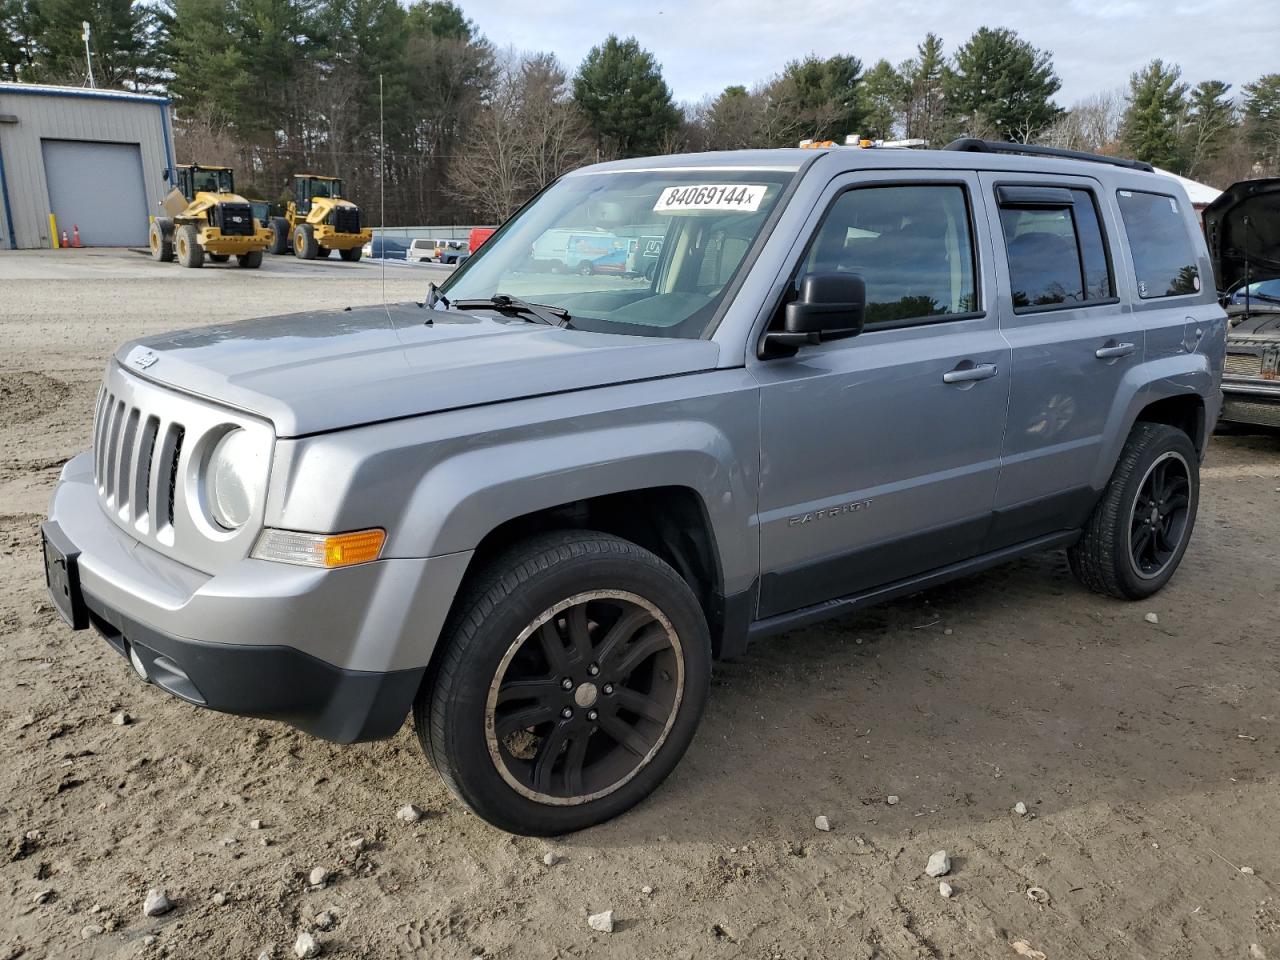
53	232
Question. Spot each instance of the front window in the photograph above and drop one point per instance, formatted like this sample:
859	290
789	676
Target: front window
650	253
211	181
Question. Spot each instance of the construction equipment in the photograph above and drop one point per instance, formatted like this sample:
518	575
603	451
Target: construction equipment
205	217
317	220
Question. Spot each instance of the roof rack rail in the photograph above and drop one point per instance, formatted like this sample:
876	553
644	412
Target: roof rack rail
974	145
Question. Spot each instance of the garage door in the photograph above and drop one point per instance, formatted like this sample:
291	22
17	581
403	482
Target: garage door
98	188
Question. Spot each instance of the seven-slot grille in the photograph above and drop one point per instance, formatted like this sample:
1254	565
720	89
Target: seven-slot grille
345	219
135	463
1242	365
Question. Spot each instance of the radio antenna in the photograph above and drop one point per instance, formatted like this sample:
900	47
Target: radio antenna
382	195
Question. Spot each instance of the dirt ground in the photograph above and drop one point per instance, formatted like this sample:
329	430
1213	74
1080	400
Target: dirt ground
1148	755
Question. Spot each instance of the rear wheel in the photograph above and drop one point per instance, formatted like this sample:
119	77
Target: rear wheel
586	268
251	260
352	255
279	236
186	244
160	239
304	242
219	257
1138	532
573	676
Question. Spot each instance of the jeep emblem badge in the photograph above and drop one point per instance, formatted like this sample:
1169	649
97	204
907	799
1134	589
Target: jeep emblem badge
141	358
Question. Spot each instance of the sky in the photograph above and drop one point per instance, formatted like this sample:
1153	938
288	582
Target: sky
705	45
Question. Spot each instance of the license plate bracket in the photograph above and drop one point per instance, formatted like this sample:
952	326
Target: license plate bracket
62	575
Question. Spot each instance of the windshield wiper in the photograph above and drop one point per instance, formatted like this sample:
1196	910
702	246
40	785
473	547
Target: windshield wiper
536	312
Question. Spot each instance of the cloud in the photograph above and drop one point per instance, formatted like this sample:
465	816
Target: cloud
705	45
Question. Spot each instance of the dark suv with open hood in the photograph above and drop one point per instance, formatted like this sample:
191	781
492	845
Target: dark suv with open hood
1243	231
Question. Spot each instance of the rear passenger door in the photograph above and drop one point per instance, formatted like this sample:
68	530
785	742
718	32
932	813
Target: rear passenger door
1072	344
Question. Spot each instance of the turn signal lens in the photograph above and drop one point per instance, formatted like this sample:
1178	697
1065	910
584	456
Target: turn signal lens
320	550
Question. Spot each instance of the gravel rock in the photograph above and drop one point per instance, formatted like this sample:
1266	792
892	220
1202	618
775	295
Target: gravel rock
92	930
149	939
550	858
1256	952
409	813
891	799
157	903
318	877
255	824
219	899
326	919
1020	808
1247	871
122	719
945	890
646	890
822	823
1151	618
1038	894
939	864
359	844
306	946
602	922
44	896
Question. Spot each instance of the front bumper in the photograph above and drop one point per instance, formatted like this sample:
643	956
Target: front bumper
331	239
337	653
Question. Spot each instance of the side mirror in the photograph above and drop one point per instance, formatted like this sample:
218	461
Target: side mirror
830	306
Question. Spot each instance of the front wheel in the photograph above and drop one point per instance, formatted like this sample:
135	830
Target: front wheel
279	236
251	260
572	677
1137	534
186	244
305	246
352	255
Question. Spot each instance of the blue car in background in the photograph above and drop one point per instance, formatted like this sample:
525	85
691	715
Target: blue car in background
386	248
1267	291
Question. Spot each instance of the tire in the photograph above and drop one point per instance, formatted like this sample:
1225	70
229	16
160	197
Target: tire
585	268
251	260
219	257
186	244
160	239
279	236
351	256
1126	550
663	666
322	253
304	242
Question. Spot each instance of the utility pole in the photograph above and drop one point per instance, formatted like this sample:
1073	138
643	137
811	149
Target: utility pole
88	57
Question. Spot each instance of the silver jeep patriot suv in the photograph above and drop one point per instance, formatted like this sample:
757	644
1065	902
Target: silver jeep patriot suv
731	394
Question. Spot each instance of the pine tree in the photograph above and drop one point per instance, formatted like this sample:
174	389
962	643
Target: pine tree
924	112
883	93
1262	120
1157	107
120	33
620	89
1001	86
1210	118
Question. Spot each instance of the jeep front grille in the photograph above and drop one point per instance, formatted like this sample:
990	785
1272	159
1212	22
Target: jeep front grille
125	461
345	219
1242	365
149	442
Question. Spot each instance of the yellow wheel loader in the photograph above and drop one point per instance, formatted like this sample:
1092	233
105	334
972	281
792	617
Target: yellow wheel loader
204	217
318	220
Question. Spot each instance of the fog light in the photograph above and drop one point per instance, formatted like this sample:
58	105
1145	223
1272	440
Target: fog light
139	667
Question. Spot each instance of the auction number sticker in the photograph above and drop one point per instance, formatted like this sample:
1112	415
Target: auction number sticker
740	197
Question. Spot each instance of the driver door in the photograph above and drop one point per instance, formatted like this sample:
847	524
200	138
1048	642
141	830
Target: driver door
880	452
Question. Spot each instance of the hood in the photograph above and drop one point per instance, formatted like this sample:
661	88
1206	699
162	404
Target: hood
1242	228
312	372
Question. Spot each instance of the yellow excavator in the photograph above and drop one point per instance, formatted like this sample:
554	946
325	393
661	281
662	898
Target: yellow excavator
318	220
204	217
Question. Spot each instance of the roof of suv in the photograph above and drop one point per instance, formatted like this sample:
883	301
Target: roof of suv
838	159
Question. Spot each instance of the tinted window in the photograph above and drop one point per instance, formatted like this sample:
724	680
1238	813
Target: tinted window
911	245
1056	255
1163	256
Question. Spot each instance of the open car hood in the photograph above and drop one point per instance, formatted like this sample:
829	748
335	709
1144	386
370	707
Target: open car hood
1242	228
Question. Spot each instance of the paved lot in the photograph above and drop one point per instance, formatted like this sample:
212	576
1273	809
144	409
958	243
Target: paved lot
1148	755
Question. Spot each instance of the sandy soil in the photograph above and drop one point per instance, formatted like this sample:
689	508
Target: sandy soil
1148	755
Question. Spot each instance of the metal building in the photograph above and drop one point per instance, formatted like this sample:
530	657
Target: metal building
72	159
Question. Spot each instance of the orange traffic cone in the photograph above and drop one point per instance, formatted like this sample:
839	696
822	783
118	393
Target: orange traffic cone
75	234
65	244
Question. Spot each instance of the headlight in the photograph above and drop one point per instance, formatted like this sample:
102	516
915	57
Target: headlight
231	479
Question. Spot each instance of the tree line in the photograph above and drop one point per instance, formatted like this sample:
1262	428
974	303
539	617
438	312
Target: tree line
470	131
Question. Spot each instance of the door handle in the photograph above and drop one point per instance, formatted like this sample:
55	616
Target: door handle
1113	350
981	371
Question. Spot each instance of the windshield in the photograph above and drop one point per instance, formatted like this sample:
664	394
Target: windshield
645	252
1265	289
211	181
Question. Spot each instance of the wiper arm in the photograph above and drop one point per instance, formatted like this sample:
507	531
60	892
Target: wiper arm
537	312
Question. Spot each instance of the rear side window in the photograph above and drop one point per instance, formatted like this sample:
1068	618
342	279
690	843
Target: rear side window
1164	258
1053	239
911	245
